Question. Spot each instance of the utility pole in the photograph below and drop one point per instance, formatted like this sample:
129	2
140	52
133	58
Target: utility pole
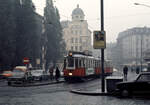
102	49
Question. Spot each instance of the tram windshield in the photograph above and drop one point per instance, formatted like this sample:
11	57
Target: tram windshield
70	62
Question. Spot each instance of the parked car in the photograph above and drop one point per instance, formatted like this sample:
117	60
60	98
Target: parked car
21	75
139	86
37	75
6	74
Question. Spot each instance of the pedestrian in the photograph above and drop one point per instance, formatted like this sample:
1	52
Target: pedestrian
125	72
57	74
132	69
51	70
137	70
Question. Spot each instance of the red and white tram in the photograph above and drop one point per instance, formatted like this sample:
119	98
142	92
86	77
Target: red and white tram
78	66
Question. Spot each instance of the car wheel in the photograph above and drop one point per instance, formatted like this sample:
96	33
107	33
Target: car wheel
125	93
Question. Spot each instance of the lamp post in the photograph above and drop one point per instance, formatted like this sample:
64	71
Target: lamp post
102	50
142	4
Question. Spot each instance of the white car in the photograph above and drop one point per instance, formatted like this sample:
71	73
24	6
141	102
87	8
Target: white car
37	75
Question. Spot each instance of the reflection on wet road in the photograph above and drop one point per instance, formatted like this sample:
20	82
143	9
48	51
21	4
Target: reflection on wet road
58	94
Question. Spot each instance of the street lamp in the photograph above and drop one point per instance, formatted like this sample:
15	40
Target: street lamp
142	4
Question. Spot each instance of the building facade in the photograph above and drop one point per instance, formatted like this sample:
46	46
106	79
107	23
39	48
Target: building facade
131	45
76	34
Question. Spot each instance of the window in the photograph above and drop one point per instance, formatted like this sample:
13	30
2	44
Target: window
70	62
80	32
72	48
80	48
76	41
80	40
76	62
76	48
72	32
72	40
80	63
145	77
76	32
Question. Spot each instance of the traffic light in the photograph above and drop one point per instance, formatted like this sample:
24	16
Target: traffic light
99	39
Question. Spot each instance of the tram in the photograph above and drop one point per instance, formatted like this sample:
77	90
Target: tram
81	65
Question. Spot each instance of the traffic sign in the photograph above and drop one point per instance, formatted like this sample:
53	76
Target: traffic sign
99	39
25	60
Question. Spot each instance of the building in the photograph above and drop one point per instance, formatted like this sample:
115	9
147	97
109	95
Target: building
76	34
131	45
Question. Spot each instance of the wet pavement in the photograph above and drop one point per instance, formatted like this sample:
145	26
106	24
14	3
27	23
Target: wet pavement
59	94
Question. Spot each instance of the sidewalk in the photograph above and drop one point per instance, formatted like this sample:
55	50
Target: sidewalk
39	83
98	92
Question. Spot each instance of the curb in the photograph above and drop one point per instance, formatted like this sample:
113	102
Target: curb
40	84
91	93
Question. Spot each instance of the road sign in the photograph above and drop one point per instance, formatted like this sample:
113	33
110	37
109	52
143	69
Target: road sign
25	60
37	61
99	39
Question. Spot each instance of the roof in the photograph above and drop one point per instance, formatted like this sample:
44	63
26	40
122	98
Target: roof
77	11
23	68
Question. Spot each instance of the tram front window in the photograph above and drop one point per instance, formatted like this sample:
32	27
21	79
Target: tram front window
70	62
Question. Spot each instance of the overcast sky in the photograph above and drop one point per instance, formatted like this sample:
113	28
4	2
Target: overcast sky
119	15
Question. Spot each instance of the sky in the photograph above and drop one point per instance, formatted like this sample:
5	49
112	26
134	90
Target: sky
119	15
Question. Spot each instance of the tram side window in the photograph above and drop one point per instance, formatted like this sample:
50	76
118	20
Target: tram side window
76	63
105	64
84	63
91	63
80	63
86	60
64	63
70	62
98	63
88	63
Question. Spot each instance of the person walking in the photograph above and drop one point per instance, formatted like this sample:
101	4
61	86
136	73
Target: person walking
51	70
57	74
137	70
125	72
132	69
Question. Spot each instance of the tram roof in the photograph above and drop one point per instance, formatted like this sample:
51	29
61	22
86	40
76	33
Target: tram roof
82	56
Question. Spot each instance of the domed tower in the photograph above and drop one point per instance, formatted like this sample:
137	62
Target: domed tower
77	14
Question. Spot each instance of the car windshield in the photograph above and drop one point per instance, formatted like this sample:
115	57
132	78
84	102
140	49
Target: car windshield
144	77
18	72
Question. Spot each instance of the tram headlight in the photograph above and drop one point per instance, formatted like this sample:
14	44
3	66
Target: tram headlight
70	74
70	54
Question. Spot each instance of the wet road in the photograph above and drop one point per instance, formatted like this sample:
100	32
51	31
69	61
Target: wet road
58	94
